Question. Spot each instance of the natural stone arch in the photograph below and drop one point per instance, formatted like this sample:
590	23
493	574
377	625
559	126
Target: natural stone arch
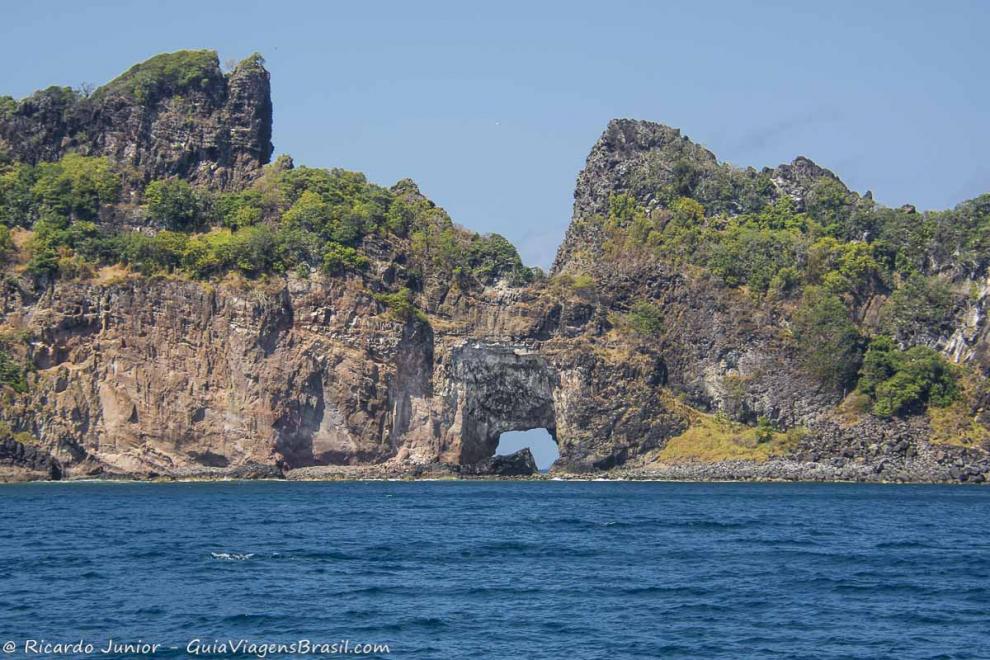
498	389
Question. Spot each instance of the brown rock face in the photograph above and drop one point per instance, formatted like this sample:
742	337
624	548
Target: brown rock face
202	125
149	376
168	377
142	377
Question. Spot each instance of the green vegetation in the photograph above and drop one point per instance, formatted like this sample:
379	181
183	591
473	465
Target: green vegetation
74	188
60	201
922	306
579	284
764	431
645	318
7	106
830	344
843	267
716	438
728	223
901	382
291	220
252	251
166	74
338	258
774	251
491	257
12	374
401	305
825	263
753	257
7	246
174	204
449	252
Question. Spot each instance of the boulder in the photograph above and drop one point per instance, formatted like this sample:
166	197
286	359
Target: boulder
517	464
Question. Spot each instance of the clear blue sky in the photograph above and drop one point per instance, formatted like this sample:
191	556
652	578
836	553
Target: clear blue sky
492	108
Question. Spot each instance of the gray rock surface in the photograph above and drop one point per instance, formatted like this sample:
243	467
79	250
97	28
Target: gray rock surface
516	464
217	132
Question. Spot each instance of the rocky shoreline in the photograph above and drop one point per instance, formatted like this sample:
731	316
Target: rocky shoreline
920	471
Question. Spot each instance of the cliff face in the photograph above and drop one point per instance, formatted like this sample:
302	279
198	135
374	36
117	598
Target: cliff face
634	360
160	377
201	124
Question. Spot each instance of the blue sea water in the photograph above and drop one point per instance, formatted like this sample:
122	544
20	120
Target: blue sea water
503	569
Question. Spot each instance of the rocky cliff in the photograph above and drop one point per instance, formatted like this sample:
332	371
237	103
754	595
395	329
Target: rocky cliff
177	114
306	322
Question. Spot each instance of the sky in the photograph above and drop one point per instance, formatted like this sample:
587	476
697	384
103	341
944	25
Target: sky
539	441
492	107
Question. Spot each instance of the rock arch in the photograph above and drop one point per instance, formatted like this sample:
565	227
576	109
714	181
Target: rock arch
495	389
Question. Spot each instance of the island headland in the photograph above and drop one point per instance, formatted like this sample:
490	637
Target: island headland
178	304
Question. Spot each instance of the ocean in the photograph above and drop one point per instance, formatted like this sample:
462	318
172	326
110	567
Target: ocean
495	569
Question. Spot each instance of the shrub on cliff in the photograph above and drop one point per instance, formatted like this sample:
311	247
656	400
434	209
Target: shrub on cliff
764	430
6	243
75	186
829	343
166	74
902	382
644	318
338	258
336	205
8	105
401	305
492	257
250	250
55	236
174	204
830	204
239	209
843	267
149	254
12	374
17	203
921	307
748	256
449	252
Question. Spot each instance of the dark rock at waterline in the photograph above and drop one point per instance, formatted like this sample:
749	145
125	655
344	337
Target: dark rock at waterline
19	456
518	464
248	471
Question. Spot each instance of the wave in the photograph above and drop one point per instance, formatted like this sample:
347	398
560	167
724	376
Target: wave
232	556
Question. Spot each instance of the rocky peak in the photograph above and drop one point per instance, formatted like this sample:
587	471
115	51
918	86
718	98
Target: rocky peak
655	164
799	177
176	114
632	156
627	146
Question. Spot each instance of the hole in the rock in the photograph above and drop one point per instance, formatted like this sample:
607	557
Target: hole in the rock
544	448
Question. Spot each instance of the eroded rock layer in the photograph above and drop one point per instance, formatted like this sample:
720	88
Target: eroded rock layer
634	361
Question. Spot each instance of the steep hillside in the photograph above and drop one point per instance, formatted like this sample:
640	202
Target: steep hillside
174	305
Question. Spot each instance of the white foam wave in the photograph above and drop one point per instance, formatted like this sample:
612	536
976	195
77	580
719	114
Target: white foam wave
232	556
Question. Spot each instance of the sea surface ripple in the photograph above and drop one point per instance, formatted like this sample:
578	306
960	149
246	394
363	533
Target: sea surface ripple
505	569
